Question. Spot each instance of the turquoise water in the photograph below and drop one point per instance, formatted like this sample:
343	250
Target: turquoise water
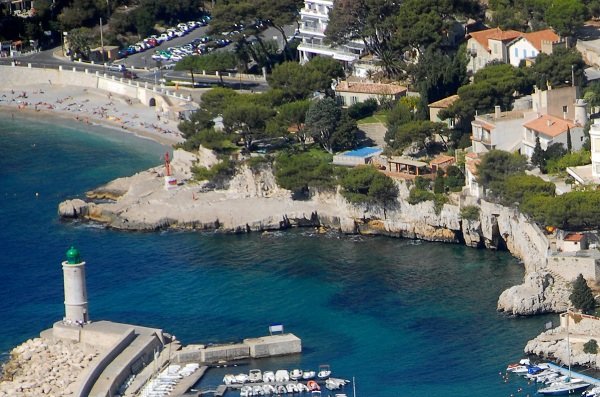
403	319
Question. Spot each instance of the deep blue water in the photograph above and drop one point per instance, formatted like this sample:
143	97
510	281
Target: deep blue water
403	319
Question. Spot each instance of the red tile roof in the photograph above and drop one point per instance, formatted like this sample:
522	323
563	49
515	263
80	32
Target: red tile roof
536	38
441	159
549	125
370	88
444	102
574	237
483	36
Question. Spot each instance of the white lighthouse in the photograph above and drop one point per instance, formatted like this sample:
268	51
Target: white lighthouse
76	304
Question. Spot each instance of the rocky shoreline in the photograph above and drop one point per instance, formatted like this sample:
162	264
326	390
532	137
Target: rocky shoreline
141	203
44	367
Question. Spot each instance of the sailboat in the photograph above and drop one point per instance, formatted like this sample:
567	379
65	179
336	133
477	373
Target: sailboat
569	385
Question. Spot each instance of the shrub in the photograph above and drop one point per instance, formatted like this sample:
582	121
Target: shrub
572	159
366	185
581	296
364	109
257	163
219	174
299	171
455	180
470	212
417	196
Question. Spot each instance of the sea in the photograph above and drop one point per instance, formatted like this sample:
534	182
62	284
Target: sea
400	317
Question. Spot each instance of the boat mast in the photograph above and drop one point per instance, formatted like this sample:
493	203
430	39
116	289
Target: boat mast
568	344
353	387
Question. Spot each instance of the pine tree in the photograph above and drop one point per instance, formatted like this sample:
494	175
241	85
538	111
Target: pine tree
581	296
569	143
538	157
590	347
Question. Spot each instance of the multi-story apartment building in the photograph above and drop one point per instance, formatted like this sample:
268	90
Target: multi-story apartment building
314	17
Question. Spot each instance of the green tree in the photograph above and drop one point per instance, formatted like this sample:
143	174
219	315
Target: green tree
324	71
569	143
80	41
566	16
538	158
322	120
497	165
217	99
247	119
439	183
557	68
590	347
279	14
294	114
366	185
418	133
345	135
219	62
299	172
581	296
199	120
293	79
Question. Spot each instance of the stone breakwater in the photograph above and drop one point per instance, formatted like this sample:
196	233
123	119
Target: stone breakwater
254	202
43	367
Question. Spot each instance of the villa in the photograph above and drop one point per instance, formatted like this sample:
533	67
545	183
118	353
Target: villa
314	17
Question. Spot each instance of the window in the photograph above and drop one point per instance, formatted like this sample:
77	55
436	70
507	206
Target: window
516	52
354	100
495	48
597	168
596	145
524	53
565	109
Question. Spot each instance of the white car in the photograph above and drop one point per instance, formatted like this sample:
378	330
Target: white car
117	67
164	37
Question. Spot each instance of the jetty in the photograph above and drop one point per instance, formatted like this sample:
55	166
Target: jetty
575	374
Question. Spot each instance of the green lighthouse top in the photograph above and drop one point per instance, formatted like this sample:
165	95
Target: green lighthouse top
73	257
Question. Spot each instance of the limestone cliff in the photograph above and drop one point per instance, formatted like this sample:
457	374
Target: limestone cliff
254	202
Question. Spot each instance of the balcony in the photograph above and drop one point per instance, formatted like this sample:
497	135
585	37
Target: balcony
312	30
340	53
312	13
484	139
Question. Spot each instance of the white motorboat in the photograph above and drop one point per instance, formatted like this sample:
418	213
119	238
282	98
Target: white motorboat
229	379
282	375
258	391
246	391
324	371
268	389
595	392
302	388
255	375
335	383
308	374
268	376
291	388
241	378
281	389
295	374
522	363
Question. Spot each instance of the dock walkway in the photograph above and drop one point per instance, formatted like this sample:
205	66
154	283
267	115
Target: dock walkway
574	374
186	383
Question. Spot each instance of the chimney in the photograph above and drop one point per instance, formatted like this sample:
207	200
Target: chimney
549	122
497	112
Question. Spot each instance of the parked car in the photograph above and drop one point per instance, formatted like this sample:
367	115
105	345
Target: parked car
117	67
129	75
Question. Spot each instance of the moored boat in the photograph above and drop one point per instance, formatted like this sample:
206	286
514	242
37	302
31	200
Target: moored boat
229	379
313	386
565	387
324	371
255	375
268	376
268	389
246	391
282	375
302	388
335	383
308	374
295	374
241	378
595	392
281	389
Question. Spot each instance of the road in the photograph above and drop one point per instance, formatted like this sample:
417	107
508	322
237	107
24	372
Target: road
143	60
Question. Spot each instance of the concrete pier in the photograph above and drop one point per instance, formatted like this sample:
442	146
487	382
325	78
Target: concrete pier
265	346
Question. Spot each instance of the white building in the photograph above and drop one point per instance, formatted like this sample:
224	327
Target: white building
314	17
550	130
529	45
589	174
489	45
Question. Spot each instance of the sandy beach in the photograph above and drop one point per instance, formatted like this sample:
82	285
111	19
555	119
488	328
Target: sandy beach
91	107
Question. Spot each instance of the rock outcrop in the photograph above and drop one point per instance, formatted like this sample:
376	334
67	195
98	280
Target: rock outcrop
540	293
254	202
42	367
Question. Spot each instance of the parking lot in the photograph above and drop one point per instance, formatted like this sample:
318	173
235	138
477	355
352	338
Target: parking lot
144	59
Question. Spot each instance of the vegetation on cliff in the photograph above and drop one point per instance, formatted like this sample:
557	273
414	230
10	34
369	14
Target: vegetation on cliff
582	297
